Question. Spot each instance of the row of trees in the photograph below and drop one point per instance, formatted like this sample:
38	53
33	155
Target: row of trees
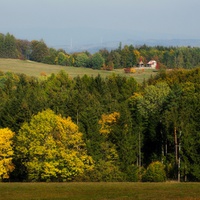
122	57
101	129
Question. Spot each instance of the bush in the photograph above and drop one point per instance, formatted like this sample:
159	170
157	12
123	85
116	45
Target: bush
155	173
104	171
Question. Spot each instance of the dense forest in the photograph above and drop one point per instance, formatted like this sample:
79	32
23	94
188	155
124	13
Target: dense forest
100	129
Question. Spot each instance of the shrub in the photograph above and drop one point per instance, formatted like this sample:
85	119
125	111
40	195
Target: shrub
106	172
155	173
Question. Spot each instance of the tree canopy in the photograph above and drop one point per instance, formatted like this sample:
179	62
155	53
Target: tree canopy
6	153
111	128
52	148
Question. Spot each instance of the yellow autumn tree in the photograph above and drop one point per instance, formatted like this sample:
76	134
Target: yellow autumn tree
136	54
52	149
106	122
6	153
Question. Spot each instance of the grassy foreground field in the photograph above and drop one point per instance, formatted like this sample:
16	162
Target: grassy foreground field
35	69
99	191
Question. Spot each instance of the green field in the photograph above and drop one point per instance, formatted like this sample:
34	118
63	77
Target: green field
35	69
99	191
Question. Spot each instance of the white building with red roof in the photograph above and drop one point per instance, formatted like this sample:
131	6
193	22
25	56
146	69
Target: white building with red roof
152	64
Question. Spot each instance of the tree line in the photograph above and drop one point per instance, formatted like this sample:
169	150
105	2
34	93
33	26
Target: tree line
122	57
100	129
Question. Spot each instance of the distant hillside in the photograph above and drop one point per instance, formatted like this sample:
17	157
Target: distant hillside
124	54
92	48
37	69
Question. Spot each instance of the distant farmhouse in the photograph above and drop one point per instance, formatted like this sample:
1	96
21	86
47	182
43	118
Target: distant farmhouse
152	64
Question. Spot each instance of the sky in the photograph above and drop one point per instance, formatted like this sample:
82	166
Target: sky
67	22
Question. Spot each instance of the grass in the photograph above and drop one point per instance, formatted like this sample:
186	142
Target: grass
35	69
99	191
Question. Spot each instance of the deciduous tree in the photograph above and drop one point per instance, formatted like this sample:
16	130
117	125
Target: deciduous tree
96	61
6	153
39	50
52	148
81	60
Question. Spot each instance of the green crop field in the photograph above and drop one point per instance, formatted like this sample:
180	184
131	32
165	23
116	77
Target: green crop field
99	191
35	69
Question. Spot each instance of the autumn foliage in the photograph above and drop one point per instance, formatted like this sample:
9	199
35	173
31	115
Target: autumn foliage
52	148
100	129
107	121
6	153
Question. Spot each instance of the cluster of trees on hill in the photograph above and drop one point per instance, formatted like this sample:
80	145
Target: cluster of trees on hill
100	129
122	57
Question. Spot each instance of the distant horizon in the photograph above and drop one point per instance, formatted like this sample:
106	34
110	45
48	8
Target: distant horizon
94	46
52	40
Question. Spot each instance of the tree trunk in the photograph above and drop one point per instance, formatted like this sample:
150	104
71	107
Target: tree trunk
176	145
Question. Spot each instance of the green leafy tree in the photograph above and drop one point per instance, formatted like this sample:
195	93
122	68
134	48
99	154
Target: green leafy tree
10	48
24	48
150	106
6	153
105	54
128	57
39	51
2	45
52	148
115	57
61	59
81	60
51	58
125	57
96	61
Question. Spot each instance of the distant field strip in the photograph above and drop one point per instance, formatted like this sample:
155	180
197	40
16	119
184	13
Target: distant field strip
35	69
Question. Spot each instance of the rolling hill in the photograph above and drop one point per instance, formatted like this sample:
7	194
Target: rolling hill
36	69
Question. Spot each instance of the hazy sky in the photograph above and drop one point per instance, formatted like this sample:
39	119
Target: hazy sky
83	21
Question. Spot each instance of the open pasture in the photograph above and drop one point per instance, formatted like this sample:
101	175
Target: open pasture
99	191
36	69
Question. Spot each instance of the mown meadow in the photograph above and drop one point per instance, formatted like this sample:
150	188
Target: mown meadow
100	191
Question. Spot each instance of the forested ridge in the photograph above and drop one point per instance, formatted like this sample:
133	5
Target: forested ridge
124	56
100	129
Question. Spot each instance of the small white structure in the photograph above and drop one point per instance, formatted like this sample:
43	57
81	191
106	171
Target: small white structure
152	64
140	64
